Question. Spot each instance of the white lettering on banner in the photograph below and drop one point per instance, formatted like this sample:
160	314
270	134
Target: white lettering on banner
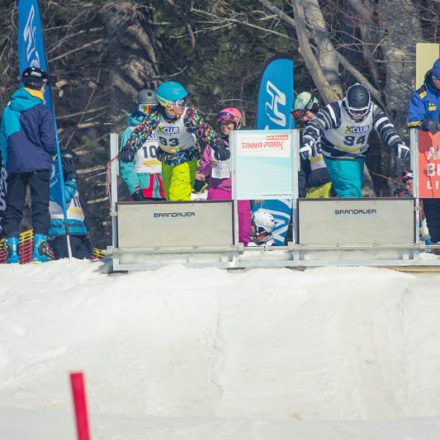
3	176
434	153
272	110
29	33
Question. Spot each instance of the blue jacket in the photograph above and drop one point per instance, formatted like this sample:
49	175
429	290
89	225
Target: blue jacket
75	214
27	134
424	104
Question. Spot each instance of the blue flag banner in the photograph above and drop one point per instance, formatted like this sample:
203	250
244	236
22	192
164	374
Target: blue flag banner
31	53
275	97
275	103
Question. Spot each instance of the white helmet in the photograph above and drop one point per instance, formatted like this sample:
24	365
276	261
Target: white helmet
264	219
305	101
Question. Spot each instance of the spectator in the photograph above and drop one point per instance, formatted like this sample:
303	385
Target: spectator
27	143
424	114
78	233
143	174
343	128
177	127
219	172
314	181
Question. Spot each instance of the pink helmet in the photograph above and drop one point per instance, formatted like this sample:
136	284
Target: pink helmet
229	114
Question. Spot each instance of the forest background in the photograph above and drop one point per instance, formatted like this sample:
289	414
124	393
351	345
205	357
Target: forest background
103	51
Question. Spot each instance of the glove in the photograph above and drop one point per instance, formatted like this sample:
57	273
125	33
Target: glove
222	153
138	195
306	152
402	151
127	154
69	170
430	125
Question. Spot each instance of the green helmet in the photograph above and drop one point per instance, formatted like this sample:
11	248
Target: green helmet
306	101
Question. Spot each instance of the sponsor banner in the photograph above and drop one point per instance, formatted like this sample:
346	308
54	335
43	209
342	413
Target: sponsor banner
31	53
275	97
429	165
263	164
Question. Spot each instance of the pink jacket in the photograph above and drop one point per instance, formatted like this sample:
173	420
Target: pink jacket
205	169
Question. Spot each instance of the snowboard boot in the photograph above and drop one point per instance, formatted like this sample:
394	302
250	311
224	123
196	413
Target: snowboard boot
12	250
42	251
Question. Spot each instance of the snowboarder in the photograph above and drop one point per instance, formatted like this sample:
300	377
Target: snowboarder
77	229
314	181
143	174
219	173
177	127
343	128
27	144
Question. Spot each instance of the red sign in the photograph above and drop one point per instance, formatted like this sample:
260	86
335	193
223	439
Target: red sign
429	165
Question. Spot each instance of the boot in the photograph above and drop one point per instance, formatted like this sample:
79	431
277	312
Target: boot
12	250
42	252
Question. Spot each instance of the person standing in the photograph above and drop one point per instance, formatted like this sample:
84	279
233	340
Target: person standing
27	143
314	181
76	227
424	114
177	127
142	175
219	172
343	127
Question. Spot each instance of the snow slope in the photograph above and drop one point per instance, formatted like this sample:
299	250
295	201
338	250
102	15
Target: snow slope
176	353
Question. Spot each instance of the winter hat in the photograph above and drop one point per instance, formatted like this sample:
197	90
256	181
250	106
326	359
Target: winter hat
436	68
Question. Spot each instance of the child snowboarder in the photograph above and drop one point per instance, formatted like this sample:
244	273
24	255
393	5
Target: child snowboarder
177	128
78	233
143	174
219	187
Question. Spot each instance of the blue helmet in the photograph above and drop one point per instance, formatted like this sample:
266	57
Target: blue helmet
171	93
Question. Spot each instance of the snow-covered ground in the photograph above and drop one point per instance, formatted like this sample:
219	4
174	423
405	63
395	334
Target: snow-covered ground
176	353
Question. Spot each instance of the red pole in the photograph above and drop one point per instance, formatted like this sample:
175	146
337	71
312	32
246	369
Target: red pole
79	401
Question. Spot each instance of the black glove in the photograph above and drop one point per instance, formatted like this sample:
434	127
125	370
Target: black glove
138	195
222	153
69	169
127	154
430	125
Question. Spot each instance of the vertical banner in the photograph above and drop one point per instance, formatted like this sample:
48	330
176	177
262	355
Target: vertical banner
275	102
2	194
429	165
31	53
275	96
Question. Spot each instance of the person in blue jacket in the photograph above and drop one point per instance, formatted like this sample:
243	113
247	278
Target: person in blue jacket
424	114
143	174
76	227
424	106
27	144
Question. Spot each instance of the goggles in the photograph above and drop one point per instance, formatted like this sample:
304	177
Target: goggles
298	114
227	118
171	105
358	113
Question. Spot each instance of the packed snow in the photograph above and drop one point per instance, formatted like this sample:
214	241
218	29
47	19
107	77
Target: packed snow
176	353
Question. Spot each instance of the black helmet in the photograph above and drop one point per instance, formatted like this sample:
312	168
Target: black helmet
68	157
357	101
34	77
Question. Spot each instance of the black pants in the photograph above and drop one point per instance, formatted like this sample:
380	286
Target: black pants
15	199
431	207
79	244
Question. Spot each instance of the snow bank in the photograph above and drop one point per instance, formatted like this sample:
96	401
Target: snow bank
176	353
